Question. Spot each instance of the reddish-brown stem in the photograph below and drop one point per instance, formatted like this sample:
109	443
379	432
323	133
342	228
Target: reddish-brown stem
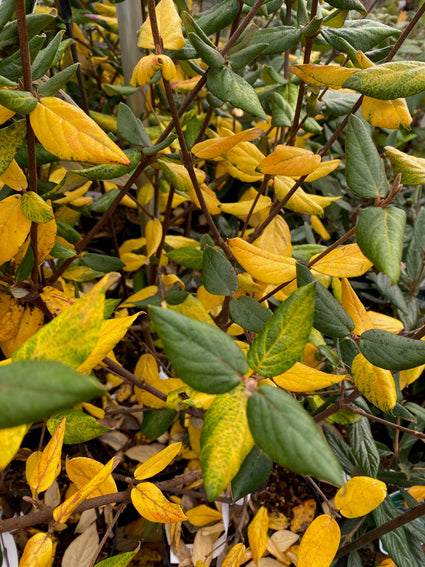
342	403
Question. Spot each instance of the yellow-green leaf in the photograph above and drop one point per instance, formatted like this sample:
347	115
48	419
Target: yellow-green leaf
319	543
412	169
158	462
257	534
10	441
226	439
290	161
11	138
35	208
14	227
48	464
72	336
169	25
153	506
344	262
38	551
81	470
262	265
302	378
332	76
376	384
67	132
359	496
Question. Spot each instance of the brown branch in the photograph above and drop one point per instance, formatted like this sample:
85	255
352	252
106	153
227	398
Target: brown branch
338	406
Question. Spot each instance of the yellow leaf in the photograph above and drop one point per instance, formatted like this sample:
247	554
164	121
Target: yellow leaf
153	234
170	279
276	238
55	300
11	312
67	132
262	265
14	177
359	496
193	308
303	515
319	227
302	378
290	161
344	262
81	470
78	326
385	323
38	551
147	66
235	556
332	76
388	562
412	168
409	376
111	332
46	236
418	492
48	464
144	293
14	227
210	198
62	512
5	114
32	320
391	114
147	370
176	241
243	207
355	308
257	534
72	196
152	505
169	25
242	161
300	202
376	384
203	515
214	147
278	521
280	542
324	168
187	396
319	543
158	462
10	441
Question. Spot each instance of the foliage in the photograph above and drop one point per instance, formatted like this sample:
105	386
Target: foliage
210	266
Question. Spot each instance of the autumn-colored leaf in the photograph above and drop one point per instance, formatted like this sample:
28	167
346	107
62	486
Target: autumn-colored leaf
203	515
81	470
152	505
303	515
153	233
10	441
169	25
148	65
14	227
344	262
67	132
31	321
214	147
302	378
359	496
235	556
242	161
48	464
385	322
11	138
376	384
158	462
412	168
147	369
38	551
332	76
11	312
14	177
319	543
391	114
290	161
257	534
355	308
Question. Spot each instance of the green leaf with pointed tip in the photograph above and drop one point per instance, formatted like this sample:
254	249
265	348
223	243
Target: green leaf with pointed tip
24	384
249	314
102	263
362	34
51	86
11	138
130	127
282	340
239	59
19	101
35	24
392	352
380	235
330	317
253	474
287	433
46	57
7	7
364	168
219	276
104	202
79	426
279	38
202	355
219	16
232	88
35	208
111	171
225	440
389	81
187	256
11	67
208	54
364	447
121	560
348	5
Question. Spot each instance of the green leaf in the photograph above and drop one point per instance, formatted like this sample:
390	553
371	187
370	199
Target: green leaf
219	16
157	422
19	101
282	111
341	449
62	252
364	447
7	7
282	340
121	560
35	24
364	168
219	276
25	267
362	34
35	208
203	356
380	235
392	352
124	90
191	26
330	317
239	59
278	38
249	314
225	440
52	85
104	202
348	5
209	55
111	171
253	474
131	128
389	81
46	57
232	88
102	263
67	231
11	138
287	433
11	67
24	384
187	256
416	248
304	252
79	427
150	150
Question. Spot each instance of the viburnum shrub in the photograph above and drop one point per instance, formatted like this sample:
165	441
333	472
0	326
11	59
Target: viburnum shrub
212	267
